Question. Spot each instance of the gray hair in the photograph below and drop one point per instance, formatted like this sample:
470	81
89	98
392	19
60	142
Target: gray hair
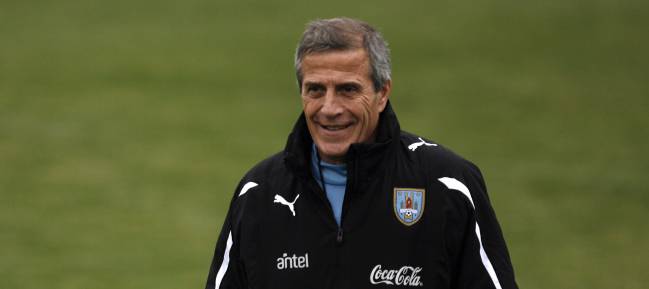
339	34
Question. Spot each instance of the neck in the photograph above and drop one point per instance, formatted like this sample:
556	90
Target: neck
332	160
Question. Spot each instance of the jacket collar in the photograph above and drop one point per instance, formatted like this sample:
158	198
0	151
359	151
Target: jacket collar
297	153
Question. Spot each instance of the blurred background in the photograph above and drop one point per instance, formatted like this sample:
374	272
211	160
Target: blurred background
126	125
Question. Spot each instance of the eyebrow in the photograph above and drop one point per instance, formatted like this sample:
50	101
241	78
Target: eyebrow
310	83
352	83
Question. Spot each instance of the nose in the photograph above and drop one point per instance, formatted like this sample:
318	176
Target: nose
331	108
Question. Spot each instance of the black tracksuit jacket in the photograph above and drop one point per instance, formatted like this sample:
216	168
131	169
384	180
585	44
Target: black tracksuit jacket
280	231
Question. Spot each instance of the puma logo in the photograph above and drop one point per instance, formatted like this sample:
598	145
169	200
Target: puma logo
421	142
282	201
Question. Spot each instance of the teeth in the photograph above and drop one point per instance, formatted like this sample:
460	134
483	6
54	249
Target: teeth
334	127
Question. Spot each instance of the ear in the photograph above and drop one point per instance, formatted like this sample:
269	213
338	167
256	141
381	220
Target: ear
384	94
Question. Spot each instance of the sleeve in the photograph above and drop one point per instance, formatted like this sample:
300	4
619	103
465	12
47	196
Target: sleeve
482	259
226	270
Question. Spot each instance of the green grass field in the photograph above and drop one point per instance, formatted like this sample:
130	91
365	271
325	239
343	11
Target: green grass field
125	126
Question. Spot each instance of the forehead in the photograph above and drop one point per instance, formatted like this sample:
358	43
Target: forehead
350	63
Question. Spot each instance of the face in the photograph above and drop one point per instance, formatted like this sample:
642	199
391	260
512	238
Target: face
339	101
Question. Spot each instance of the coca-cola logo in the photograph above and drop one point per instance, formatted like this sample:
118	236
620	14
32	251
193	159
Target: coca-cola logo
405	276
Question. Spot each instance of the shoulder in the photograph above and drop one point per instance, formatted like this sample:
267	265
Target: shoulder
259	177
257	187
434	157
267	167
445	170
266	172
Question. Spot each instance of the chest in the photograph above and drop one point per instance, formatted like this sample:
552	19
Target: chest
391	236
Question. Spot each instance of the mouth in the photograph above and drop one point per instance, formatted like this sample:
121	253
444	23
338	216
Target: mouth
337	127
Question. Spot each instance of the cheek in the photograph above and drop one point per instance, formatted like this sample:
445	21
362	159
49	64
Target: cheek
368	108
370	112
309	106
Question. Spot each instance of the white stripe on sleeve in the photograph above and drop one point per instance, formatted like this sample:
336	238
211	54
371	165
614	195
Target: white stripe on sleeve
246	187
228	245
454	184
224	264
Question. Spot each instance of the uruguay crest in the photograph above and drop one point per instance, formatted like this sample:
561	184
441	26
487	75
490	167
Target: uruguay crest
409	205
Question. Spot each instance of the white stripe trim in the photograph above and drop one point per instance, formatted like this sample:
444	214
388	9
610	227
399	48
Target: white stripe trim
224	264
228	245
454	184
246	187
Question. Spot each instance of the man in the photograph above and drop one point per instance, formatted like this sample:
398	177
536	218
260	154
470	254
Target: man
353	201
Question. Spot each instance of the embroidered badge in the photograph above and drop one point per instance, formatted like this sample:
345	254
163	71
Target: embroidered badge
409	205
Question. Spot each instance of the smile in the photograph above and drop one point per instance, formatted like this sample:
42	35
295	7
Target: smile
335	127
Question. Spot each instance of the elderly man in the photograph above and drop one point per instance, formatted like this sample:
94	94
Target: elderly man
353	201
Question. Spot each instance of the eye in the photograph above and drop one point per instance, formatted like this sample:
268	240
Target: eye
349	88
314	90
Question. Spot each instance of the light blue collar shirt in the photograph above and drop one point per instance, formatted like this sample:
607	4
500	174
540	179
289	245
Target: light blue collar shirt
335	181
